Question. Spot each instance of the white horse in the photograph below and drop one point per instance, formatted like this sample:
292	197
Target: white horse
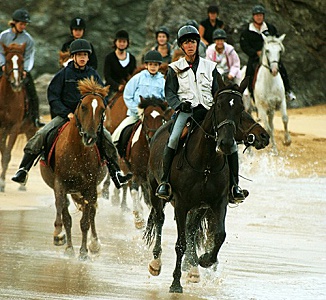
269	92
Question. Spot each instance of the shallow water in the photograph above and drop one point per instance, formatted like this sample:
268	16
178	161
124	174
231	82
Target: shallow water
275	246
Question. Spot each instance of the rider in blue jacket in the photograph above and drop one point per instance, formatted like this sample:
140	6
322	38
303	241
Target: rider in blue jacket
63	97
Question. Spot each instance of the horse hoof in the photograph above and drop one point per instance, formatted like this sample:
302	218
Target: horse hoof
154	267
94	246
193	275
60	239
205	261
176	289
22	188
287	143
70	252
140	224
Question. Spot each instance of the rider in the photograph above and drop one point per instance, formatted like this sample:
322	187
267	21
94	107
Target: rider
251	43
225	56
18	34
77	31
119	64
191	83
202	46
147	83
63	97
163	46
207	26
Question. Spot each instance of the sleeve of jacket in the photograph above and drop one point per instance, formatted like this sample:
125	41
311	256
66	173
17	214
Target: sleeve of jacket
129	94
29	55
171	89
93	58
108	71
234	62
54	94
245	44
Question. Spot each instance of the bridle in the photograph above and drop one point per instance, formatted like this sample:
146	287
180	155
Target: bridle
78	123
148	129
268	66
12	70
217	127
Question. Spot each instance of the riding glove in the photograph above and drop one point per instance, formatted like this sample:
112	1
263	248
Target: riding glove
185	107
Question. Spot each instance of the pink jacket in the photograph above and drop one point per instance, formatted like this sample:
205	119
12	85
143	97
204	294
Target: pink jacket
233	60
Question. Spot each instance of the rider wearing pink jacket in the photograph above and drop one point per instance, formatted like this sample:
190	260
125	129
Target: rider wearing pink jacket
225	56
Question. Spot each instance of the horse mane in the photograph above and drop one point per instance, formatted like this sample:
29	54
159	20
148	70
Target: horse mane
152	101
14	48
90	85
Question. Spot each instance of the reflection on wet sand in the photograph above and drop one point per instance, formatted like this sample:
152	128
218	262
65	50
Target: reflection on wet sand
275	245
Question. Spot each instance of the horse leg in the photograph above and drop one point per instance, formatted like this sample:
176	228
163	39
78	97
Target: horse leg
285	119
84	226
123	204
8	144
67	222
137	207
61	203
271	126
106	188
180	248
155	224
95	244
210	258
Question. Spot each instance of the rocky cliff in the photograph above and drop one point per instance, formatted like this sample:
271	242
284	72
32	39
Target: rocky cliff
301	20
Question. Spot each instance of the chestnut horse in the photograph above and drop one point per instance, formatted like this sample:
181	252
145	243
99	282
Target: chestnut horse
77	169
153	112
12	104
200	181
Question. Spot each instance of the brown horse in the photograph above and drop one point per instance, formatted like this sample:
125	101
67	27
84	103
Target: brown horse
200	183
77	169
153	113
64	58
12	104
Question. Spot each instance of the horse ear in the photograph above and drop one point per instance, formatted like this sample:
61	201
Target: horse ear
281	38
141	98
244	84
220	81
106	89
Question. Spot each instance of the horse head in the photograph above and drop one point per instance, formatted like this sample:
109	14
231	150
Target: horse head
271	52
90	110
226	113
14	67
152	113
251	132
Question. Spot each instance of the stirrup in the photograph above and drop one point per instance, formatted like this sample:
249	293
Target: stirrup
167	193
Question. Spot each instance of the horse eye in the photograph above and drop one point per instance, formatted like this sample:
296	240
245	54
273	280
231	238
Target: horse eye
83	107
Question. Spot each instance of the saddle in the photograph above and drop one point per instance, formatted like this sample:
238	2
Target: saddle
125	140
48	155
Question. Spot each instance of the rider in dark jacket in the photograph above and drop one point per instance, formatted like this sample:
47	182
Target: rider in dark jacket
63	97
251	43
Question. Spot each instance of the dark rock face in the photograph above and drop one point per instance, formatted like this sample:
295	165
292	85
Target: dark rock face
302	21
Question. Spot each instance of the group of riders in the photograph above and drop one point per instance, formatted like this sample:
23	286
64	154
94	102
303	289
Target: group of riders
190	84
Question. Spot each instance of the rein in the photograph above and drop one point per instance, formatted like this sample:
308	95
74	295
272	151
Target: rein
221	124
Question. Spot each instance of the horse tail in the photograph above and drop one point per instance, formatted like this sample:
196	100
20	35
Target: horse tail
150	231
196	224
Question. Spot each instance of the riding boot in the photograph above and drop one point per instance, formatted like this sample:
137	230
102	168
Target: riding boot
33	101
164	190
237	193
21	175
116	175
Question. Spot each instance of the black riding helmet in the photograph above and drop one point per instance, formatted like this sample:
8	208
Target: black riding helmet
122	34
192	23
187	32
80	45
21	15
163	29
77	23
258	9
219	34
153	56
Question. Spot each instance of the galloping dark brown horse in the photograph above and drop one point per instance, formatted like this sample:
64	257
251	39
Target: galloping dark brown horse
200	182
77	169
12	104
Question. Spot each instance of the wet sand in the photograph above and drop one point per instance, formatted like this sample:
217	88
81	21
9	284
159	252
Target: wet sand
275	246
